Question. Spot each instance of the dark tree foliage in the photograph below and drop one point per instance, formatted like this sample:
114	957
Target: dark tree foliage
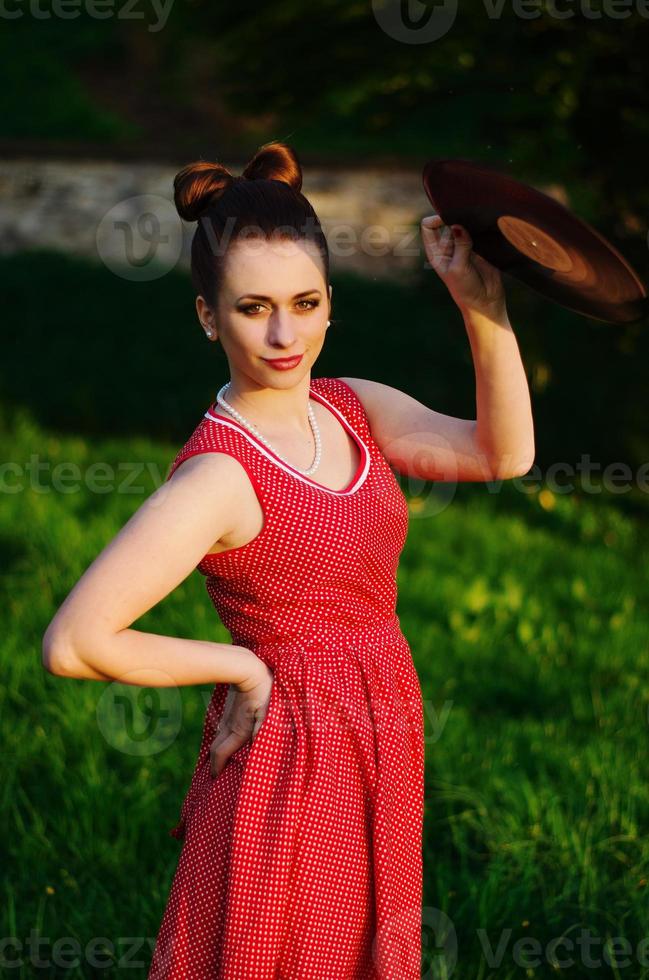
560	98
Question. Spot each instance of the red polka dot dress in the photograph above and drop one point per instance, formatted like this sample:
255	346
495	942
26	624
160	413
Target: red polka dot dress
302	860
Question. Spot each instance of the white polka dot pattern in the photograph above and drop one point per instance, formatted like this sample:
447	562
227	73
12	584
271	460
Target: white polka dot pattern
302	860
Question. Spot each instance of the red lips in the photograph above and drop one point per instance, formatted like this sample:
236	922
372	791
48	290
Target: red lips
283	362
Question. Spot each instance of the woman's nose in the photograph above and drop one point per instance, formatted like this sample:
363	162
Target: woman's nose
280	330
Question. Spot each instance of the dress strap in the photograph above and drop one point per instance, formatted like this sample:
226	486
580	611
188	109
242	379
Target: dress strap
226	439
347	402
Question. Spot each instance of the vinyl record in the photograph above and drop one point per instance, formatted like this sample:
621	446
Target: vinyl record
532	237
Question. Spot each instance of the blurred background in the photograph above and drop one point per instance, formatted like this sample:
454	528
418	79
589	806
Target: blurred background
525	603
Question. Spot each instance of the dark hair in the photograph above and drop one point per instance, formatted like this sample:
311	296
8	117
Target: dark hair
266	197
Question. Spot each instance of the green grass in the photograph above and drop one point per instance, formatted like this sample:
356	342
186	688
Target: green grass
527	617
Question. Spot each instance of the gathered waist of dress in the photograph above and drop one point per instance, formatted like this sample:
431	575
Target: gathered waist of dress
325	638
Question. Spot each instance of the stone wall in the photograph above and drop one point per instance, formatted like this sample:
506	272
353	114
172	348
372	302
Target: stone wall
123	214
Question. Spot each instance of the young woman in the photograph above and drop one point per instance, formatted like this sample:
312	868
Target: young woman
302	823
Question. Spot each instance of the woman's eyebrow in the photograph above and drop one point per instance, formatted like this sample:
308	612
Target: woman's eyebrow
307	292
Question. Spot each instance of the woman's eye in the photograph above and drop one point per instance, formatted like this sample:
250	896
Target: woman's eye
311	304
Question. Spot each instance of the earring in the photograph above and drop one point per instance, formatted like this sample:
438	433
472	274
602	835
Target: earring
328	323
209	333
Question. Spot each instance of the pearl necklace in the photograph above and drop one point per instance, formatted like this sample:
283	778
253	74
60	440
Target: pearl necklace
253	428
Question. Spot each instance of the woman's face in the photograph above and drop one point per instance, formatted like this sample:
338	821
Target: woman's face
274	302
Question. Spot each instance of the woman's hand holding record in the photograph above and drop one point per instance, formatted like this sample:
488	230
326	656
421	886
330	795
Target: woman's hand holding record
475	284
534	238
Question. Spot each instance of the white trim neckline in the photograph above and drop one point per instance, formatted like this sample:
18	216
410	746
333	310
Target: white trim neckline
357	483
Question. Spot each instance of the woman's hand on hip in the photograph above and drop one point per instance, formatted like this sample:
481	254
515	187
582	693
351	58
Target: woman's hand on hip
243	713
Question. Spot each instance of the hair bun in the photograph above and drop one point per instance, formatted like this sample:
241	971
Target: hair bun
197	186
200	184
275	161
